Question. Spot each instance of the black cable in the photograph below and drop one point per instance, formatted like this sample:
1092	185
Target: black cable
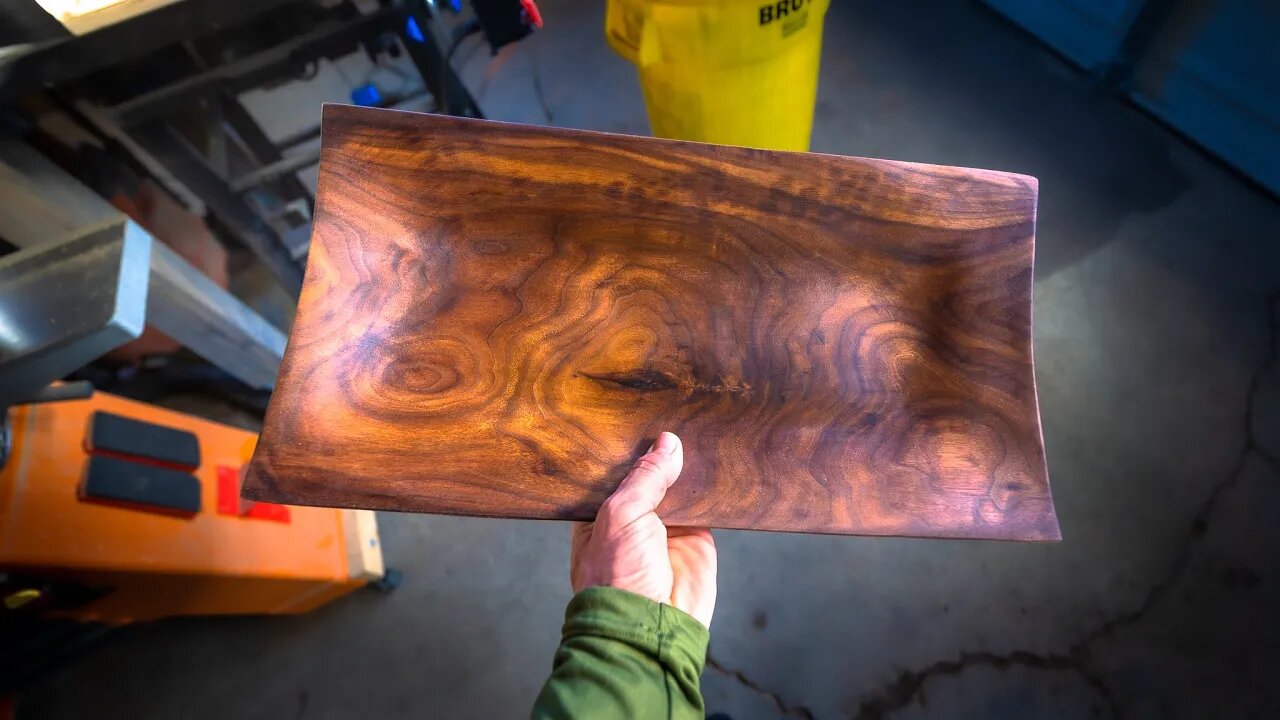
459	33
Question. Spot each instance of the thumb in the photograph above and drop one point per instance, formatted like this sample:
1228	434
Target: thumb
646	485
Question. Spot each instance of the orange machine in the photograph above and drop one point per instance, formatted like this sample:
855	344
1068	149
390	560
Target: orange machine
66	552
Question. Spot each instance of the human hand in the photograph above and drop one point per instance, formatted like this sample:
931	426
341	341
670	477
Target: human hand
629	548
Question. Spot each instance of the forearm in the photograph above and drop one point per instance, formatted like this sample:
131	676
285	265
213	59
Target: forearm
622	655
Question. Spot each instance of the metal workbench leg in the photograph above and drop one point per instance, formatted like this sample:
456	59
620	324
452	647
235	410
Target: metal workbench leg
264	151
192	170
428	55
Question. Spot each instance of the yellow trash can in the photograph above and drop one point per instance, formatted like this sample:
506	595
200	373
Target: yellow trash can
724	71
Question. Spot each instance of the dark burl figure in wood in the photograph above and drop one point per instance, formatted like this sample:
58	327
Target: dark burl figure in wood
498	319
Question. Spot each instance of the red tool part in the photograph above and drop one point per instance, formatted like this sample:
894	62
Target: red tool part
531	12
230	502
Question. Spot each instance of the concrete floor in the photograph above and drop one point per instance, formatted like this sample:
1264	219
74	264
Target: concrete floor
1156	348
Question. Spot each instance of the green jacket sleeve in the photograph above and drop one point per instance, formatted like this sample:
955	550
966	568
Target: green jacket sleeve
624	656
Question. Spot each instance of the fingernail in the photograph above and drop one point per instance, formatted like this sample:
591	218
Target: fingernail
666	443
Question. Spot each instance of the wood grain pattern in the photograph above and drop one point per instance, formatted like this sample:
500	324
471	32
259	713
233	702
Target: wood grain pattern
497	319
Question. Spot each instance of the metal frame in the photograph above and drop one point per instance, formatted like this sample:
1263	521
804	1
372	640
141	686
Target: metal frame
264	208
180	301
138	37
264	151
193	171
190	308
65	303
247	72
429	57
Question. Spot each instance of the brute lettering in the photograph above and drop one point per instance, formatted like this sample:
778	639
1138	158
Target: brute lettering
779	9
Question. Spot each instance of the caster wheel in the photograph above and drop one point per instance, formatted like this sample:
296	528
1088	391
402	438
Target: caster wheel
391	579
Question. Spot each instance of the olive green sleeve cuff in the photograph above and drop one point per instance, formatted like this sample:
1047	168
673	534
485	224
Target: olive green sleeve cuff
623	655
672	636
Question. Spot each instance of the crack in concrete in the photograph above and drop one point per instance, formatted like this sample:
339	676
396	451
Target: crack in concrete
1200	522
909	684
799	711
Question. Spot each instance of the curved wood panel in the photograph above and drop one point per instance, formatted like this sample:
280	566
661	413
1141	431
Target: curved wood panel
498	319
